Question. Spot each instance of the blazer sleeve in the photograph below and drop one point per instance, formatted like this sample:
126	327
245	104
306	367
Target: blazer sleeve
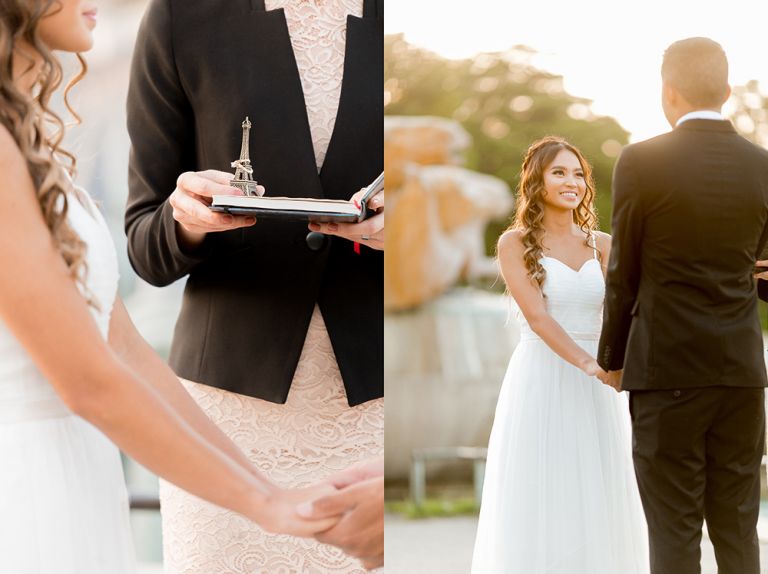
161	129
623	276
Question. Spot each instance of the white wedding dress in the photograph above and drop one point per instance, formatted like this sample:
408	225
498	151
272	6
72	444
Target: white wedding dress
63	500
560	495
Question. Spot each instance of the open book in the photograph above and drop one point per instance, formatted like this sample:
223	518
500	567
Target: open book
300	209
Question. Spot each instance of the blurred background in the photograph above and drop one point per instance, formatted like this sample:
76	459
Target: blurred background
467	89
101	146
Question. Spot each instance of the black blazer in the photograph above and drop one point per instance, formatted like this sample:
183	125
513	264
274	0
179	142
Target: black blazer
690	215
199	68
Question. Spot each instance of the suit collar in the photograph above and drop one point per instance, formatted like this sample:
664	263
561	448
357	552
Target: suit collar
724	126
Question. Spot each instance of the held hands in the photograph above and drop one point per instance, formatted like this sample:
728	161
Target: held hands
763	275
190	201
360	505
278	515
610	378
613	379
369	232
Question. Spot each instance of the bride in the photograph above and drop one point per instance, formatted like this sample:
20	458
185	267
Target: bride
77	381
560	495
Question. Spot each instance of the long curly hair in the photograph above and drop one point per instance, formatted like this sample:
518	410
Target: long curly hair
36	128
530	204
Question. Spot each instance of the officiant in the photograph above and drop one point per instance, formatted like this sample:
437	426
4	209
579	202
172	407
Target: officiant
280	334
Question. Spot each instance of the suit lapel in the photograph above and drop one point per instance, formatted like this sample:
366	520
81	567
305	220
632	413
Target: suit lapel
362	94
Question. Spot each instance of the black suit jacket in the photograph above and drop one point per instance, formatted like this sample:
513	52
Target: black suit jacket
690	215
199	68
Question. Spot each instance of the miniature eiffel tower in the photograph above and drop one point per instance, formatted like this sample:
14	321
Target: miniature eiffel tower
244	172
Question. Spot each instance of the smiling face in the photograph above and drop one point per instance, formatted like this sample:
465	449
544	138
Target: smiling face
564	182
68	25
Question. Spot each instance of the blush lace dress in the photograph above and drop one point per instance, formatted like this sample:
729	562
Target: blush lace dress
316	433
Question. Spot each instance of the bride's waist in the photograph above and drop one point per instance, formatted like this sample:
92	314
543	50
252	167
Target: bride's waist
526	334
33	409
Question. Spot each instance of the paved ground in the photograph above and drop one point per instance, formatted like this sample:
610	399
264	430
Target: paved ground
444	546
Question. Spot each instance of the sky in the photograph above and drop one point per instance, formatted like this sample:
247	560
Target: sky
609	52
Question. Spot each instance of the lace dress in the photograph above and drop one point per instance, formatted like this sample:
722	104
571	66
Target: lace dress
560	495
63	501
315	434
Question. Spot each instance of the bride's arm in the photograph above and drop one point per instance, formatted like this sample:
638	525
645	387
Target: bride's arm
41	305
529	298
142	359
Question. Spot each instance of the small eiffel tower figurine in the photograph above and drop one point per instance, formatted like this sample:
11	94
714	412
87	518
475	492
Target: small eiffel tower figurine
244	172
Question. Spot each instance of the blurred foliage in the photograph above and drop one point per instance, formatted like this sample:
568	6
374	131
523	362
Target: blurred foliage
433	507
505	103
748	110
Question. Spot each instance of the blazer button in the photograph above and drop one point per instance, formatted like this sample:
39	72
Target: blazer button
676	394
315	240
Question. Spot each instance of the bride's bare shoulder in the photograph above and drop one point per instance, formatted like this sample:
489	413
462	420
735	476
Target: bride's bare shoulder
17	192
510	243
10	154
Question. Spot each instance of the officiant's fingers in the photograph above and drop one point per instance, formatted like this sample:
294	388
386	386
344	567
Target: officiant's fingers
355	231
196	217
376	202
221	177
192	182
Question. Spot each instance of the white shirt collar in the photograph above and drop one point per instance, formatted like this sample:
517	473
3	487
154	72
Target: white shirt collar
700	115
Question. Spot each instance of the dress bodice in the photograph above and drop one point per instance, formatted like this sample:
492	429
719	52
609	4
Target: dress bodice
24	392
574	298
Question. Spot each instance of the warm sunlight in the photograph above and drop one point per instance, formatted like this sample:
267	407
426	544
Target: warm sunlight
607	52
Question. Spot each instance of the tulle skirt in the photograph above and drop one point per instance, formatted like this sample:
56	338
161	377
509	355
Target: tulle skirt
63	500
560	495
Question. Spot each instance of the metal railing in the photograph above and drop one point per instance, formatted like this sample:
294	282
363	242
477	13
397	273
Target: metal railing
420	457
139	501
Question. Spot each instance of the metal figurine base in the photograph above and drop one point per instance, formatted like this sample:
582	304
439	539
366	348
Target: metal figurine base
247	187
244	172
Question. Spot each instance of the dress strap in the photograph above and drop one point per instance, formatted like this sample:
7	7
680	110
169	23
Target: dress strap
593	237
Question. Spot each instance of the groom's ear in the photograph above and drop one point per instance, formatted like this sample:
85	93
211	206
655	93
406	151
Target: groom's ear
671	95
727	94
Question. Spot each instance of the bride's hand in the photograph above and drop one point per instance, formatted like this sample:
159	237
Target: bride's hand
278	515
592	369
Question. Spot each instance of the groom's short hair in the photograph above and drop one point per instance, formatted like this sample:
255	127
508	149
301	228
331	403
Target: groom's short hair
698	69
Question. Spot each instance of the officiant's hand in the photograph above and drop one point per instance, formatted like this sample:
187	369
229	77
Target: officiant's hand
369	232
360	531
279	516
190	201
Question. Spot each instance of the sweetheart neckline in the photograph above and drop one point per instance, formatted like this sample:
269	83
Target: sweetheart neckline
568	266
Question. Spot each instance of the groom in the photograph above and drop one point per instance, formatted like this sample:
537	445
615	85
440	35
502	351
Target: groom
690	218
